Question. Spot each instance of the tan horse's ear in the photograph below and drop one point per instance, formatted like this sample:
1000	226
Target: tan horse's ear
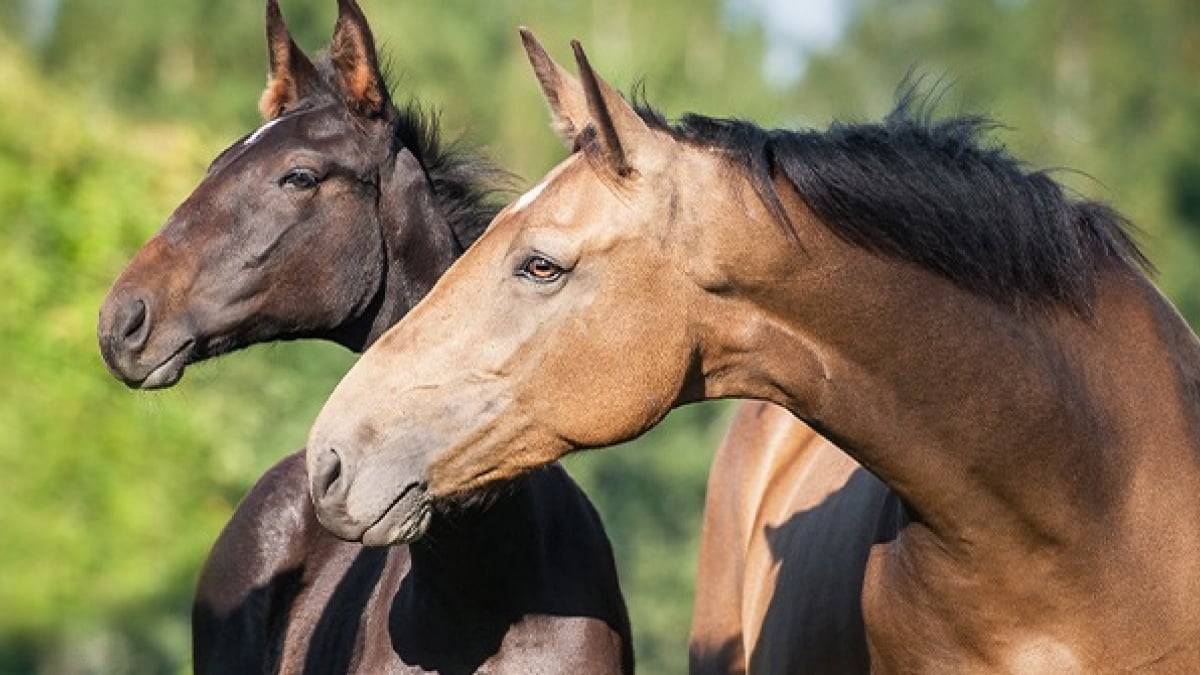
292	75
352	51
563	92
619	127
589	101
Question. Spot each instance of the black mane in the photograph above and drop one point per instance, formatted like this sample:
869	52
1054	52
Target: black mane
465	182
931	192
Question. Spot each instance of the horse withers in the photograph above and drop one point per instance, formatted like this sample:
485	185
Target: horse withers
991	349
331	221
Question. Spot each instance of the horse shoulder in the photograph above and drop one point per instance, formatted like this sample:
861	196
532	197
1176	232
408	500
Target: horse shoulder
254	572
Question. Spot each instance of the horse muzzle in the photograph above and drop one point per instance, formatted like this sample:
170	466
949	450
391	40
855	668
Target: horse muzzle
125	332
366	506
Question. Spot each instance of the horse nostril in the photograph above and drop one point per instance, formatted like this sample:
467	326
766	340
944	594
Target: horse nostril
136	327
136	320
328	472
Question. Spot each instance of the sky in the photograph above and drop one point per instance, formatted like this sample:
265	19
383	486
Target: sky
794	29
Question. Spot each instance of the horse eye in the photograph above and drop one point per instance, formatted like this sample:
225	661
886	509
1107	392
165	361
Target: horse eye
541	270
299	179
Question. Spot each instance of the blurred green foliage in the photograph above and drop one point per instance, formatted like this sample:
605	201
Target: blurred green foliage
110	111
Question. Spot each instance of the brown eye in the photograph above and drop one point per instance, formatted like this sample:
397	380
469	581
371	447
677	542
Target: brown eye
541	270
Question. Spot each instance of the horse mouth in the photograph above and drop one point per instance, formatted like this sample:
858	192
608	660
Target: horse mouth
405	521
170	370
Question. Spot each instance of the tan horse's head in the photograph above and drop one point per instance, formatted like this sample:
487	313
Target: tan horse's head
499	370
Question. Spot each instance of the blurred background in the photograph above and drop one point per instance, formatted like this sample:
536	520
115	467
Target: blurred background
111	109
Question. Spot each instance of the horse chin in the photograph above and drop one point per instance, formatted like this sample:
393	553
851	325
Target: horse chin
170	371
406	521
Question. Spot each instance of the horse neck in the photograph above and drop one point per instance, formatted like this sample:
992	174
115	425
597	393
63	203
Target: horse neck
987	422
480	553
419	246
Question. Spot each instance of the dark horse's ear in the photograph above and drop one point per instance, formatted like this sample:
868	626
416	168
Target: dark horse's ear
357	64
292	75
589	103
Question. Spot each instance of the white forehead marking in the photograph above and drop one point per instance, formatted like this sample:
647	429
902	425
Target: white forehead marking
527	198
261	130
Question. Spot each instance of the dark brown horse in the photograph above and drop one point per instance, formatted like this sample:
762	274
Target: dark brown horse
987	346
331	222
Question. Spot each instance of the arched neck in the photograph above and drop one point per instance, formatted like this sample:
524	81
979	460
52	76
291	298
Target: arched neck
986	420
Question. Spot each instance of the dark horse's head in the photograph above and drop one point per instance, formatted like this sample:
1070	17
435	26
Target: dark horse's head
331	221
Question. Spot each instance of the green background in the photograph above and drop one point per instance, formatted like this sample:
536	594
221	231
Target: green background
109	113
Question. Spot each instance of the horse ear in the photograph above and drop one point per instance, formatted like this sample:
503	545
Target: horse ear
563	93
619	128
589	101
352	51
292	75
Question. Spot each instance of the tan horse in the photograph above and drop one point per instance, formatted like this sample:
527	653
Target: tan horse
777	492
989	348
